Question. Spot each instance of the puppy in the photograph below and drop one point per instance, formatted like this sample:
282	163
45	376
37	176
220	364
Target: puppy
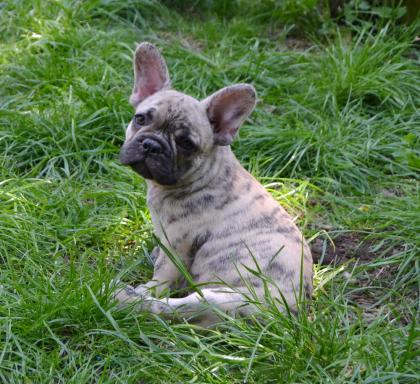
206	209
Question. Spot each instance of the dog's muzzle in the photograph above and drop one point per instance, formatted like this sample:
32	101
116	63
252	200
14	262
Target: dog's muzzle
151	157
139	148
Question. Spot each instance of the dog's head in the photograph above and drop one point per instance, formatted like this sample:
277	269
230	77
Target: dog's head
172	134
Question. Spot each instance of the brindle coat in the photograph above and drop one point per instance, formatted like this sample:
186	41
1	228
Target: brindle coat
205	207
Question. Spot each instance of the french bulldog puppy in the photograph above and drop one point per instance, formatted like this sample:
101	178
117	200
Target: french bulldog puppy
205	207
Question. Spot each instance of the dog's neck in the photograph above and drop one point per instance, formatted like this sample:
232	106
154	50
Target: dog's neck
214	166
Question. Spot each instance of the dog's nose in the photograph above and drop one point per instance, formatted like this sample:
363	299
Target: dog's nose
151	146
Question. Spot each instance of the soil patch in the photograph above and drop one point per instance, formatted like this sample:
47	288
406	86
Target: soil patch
344	247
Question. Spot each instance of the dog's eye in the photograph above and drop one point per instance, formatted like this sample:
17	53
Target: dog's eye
185	143
140	119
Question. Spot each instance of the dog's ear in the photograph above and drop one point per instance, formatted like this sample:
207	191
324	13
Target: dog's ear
227	109
150	73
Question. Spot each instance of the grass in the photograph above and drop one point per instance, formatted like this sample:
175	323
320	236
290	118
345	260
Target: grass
334	138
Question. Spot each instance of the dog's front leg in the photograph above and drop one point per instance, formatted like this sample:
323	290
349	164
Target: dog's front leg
165	273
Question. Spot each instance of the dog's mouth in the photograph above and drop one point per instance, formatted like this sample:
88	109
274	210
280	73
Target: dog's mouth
141	168
152	170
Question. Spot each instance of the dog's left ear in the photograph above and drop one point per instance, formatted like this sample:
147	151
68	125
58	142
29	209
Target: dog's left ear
227	109
150	73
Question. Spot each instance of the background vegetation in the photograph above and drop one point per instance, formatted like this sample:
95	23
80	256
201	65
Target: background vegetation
335	138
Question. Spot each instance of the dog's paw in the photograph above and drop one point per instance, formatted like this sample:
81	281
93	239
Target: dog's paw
130	295
125	295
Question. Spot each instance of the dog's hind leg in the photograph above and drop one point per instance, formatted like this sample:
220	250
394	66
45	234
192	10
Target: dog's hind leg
201	308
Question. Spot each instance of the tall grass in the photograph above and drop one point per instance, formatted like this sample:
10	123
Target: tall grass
347	117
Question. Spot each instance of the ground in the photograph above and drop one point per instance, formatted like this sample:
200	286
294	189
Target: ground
334	138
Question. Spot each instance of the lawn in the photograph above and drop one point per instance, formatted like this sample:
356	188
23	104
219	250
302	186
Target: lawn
335	138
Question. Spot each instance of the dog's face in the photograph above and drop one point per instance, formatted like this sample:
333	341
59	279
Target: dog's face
172	134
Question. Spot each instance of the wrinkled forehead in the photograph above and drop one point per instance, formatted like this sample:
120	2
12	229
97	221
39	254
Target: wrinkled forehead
173	105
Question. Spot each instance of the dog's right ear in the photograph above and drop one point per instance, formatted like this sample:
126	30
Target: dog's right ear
150	73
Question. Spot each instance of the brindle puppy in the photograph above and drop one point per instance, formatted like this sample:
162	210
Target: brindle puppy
205	206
